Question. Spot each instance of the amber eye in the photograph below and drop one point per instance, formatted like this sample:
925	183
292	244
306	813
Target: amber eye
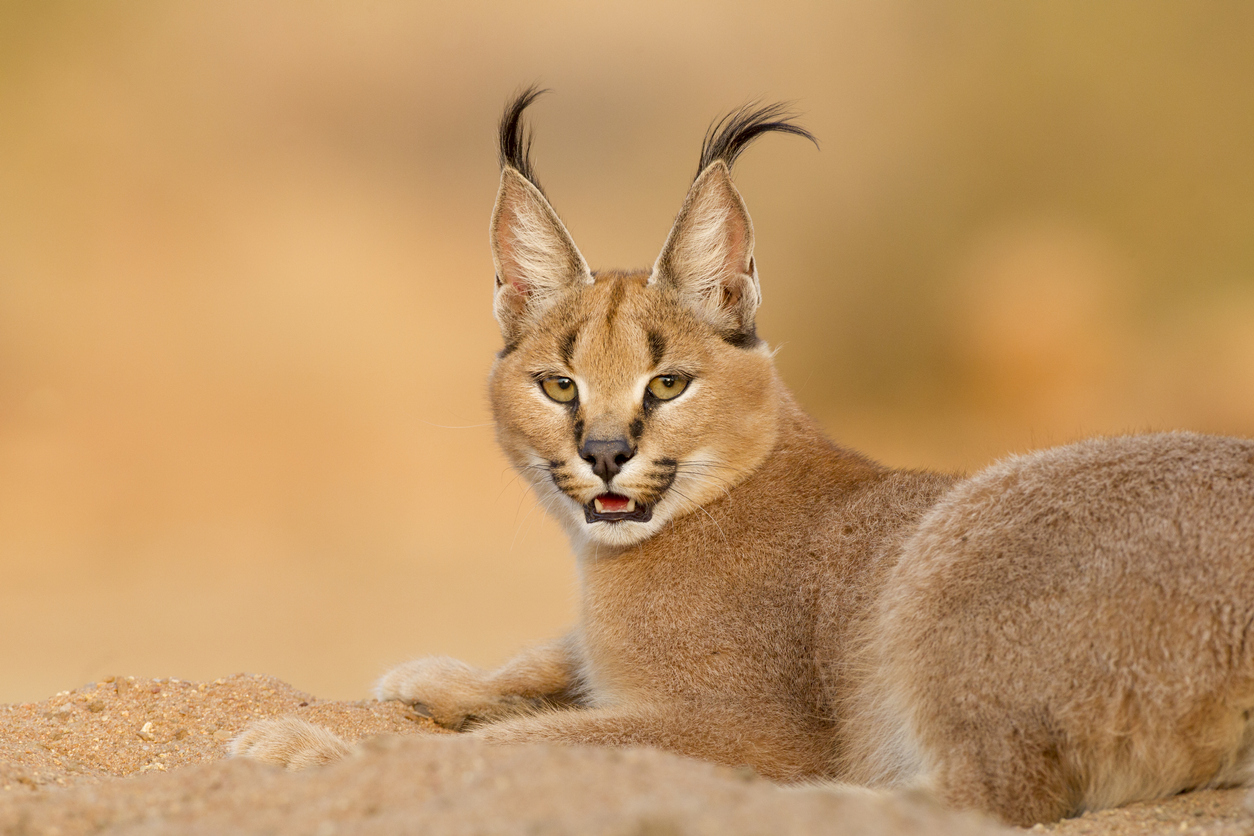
560	389
667	386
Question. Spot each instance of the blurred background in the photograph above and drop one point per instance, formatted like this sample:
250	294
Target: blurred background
245	283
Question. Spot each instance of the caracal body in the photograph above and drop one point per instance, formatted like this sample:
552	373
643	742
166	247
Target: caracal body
1063	631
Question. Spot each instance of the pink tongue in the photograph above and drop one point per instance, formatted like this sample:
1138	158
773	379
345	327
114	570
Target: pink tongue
613	502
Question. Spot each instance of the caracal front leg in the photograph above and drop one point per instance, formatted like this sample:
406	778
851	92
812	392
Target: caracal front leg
762	739
455	694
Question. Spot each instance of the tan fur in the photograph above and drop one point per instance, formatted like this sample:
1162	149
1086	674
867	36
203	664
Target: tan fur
290	742
1063	631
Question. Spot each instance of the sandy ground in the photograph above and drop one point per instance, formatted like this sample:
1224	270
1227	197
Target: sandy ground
139	756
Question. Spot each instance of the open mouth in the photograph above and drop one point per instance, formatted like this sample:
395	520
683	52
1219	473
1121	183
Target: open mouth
611	507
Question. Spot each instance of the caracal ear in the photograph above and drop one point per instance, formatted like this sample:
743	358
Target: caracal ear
536	259
708	256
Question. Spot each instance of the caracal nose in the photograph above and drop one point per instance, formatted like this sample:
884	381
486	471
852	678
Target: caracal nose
607	457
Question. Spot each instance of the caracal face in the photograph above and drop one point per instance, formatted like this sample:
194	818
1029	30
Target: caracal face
624	409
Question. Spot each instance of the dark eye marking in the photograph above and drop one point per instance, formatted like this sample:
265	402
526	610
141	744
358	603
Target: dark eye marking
657	347
567	349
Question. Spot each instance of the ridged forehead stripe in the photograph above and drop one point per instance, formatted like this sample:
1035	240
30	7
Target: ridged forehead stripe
617	292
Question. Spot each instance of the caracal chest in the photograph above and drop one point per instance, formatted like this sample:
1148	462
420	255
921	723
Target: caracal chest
693	620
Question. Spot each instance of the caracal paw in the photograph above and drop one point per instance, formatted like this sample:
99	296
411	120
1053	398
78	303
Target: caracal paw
289	742
450	692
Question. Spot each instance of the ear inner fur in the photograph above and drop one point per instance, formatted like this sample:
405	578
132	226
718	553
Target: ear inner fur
708	256
535	257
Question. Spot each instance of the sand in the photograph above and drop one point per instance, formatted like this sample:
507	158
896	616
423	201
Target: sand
138	756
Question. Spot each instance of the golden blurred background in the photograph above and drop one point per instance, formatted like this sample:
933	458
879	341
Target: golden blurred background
245	283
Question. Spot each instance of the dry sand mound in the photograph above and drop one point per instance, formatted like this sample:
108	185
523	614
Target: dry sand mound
146	756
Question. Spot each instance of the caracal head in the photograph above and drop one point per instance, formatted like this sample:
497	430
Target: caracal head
631	399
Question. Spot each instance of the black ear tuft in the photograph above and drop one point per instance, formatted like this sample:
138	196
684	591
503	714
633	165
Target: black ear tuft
515	138
732	134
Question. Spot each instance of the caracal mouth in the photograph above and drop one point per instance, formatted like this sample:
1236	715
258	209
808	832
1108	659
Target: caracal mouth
612	507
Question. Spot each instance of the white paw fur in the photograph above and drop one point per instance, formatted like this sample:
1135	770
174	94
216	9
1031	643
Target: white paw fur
289	742
450	692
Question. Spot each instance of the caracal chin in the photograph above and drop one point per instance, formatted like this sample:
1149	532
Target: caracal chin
1063	631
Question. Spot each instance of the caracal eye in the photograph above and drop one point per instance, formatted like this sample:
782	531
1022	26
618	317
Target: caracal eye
560	389
667	386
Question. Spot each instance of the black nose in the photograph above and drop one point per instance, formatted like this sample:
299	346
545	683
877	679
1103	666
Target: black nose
607	457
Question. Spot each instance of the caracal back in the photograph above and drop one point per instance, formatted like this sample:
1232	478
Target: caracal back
1071	630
